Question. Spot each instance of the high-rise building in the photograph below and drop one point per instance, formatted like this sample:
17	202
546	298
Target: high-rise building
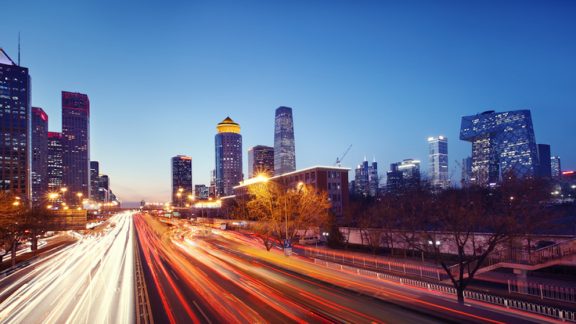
502	143
438	162
201	192
181	180
14	128
54	161
76	142
544	162
104	192
39	155
366	179
284	147
228	157
467	178
403	175
260	160
94	179
556	167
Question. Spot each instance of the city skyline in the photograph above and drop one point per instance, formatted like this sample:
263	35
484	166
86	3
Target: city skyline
331	88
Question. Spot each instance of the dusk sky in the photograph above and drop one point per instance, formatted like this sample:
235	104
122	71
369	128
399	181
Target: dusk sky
380	75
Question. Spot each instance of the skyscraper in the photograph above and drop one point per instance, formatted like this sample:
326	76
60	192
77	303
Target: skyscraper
403	175
228	157
556	167
438	162
94	179
181	179
39	155
76	142
502	143
366	179
260	160
284	148
54	161
544	162
14	128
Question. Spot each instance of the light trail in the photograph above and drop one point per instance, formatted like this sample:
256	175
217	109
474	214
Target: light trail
90	281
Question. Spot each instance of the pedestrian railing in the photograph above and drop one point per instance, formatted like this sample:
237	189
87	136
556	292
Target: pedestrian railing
548	311
543	291
427	272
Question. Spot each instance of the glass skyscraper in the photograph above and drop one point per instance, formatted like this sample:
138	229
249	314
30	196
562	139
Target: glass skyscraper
403	175
438	162
502	143
14	128
284	148
228	157
94	179
54	161
366	179
555	167
76	142
39	155
181	179
260	160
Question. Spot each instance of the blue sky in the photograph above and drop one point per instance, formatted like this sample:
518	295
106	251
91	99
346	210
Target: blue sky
380	75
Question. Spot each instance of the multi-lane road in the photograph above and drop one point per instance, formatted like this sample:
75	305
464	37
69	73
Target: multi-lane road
90	281
197	274
194	274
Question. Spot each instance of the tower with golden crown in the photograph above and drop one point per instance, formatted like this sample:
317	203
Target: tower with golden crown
228	142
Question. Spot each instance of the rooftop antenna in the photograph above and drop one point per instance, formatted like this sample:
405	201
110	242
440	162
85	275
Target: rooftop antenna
18	48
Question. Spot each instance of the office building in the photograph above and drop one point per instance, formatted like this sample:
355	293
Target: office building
403	176
544	162
181	180
54	161
94	179
284	147
260	160
14	128
39	156
76	142
331	180
438	162
104	192
201	192
555	167
502	143
228	157
366	180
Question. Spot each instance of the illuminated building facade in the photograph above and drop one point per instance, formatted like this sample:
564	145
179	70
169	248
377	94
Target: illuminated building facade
502	143
228	157
94	179
284	146
260	160
14	128
438	162
181	180
366	179
403	175
76	142
555	167
39	155
331	180
54	161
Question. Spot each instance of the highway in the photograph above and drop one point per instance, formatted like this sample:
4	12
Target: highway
90	281
196	274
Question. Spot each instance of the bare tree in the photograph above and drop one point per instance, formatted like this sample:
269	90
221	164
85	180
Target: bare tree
11	219
280	212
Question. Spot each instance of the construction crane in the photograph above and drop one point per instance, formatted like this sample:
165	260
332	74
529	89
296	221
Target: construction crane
339	159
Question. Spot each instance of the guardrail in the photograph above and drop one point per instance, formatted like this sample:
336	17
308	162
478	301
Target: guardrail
385	265
143	309
548	311
543	291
